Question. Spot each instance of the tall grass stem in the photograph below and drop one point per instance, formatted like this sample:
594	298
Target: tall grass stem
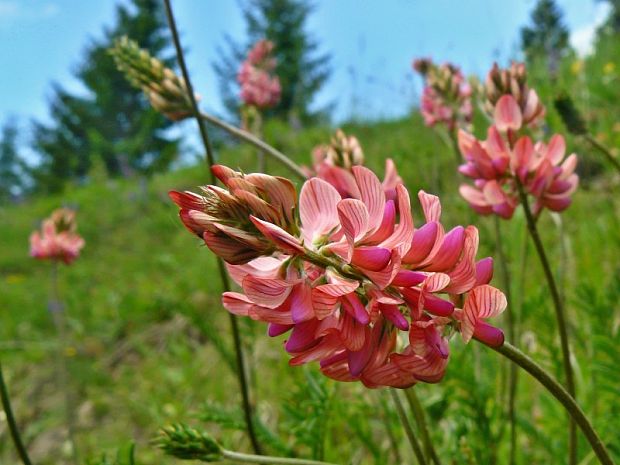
12	424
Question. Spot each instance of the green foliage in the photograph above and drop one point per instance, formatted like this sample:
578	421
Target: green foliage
547	37
113	122
12	166
301	70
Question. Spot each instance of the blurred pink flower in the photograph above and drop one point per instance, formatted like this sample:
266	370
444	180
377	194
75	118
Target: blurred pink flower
446	98
504	158
259	87
58	239
350	274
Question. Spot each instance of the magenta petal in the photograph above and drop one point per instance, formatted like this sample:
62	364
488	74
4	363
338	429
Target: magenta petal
276	329
301	303
386	228
371	258
423	241
438	306
407	278
450	250
489	335
358	361
392	313
302	337
356	309
484	271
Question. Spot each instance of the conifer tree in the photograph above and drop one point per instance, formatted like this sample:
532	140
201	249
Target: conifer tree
113	121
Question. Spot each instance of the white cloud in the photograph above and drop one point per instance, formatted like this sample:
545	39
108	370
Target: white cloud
15	10
8	9
582	38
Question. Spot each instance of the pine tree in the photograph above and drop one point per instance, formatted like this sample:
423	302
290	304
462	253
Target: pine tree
12	168
547	37
113	121
302	71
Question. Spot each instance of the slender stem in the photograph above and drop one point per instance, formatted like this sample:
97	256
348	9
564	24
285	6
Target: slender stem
10	419
455	146
258	143
243	384
57	311
559	314
389	430
512	369
249	458
561	394
415	445
604	150
420	418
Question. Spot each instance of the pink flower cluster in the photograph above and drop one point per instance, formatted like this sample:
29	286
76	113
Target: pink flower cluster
504	161
333	163
352	281
513	81
259	87
58	239
446	98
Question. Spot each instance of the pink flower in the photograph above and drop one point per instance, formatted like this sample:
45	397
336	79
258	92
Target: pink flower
446	98
348	275
259	88
58	239
513	81
505	159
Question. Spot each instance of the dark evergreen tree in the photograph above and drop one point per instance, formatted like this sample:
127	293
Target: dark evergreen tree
301	69
12	167
547	37
113	121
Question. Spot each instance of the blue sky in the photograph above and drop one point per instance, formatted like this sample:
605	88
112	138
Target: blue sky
372	43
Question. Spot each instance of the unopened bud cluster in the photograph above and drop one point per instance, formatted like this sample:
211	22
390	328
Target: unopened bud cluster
447	94
513	81
187	443
165	90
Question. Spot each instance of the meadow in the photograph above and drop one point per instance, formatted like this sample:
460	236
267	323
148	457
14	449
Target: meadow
149	343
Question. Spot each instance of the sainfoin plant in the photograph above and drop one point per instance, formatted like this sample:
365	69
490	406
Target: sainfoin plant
353	277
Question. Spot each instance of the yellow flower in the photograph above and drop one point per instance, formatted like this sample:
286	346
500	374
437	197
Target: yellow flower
14	278
576	66
70	351
609	67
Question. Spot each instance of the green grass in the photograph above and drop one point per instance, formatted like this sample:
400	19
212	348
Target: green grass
150	345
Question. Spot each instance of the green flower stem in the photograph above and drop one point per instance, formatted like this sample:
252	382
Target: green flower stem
10	419
420	418
258	143
513	373
604	150
249	458
561	394
559	313
241	375
56	308
415	445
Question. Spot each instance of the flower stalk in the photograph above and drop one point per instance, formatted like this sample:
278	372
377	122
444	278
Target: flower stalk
510	318
559	312
420	418
561	394
241	375
56	309
413	440
12	424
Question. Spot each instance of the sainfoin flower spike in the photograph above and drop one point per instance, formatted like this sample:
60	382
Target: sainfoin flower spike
351	280
513	81
334	163
507	158
165	90
446	98
58	238
260	88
